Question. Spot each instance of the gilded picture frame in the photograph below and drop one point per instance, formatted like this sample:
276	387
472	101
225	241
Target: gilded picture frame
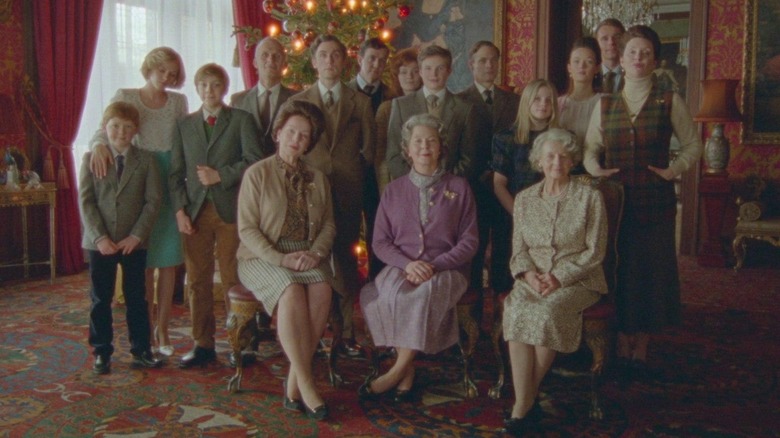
761	73
456	25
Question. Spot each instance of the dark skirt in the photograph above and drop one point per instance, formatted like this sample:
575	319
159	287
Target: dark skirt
648	290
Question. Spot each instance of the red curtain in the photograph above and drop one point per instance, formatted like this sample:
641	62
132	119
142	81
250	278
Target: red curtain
65	39
248	13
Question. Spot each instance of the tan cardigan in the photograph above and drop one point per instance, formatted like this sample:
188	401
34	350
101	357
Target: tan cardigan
262	206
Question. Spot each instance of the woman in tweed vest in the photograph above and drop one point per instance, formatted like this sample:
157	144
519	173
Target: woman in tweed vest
630	134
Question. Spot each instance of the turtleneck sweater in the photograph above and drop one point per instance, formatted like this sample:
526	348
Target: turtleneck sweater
635	94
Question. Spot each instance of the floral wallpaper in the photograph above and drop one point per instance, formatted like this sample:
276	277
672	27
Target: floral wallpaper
520	42
724	60
11	58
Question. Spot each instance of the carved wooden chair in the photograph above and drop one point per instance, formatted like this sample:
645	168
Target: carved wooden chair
244	328
598	318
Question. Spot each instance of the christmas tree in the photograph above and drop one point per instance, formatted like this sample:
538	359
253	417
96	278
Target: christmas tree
299	22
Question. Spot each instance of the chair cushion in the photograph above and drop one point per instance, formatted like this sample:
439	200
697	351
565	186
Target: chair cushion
240	293
471	297
600	310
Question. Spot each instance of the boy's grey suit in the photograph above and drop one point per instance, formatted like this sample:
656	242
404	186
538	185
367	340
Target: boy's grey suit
233	127
120	208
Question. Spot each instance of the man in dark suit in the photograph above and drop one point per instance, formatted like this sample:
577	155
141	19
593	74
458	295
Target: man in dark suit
372	60
501	108
343	152
608	34
211	149
464	126
264	99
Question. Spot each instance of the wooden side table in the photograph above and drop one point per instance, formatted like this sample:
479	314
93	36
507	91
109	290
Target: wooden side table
715	192
23	199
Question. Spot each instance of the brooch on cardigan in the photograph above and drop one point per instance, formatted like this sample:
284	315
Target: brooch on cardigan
450	195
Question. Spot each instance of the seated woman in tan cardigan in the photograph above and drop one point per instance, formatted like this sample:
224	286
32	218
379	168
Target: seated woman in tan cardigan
285	222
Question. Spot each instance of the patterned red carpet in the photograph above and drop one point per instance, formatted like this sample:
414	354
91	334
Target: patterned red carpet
716	375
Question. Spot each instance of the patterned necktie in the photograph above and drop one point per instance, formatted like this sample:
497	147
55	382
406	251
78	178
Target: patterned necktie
433	101
328	99
369	90
265	109
609	82
211	120
120	166
489	97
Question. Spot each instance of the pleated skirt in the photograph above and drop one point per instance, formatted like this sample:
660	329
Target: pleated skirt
419	317
268	281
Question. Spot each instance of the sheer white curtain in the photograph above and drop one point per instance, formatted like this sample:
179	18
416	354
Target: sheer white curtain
199	30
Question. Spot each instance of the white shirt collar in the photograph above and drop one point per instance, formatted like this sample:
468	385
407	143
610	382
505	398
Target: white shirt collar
336	90
207	113
440	94
362	83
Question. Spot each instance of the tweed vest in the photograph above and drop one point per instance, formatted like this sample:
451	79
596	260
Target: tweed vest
632	147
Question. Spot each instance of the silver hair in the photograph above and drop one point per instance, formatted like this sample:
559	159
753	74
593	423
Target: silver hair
557	135
430	121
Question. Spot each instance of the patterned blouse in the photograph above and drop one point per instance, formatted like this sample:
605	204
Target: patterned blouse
296	221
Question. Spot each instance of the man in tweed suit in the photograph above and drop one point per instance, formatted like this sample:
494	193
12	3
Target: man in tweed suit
343	152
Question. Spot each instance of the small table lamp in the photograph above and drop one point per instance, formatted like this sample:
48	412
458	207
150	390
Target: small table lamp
719	106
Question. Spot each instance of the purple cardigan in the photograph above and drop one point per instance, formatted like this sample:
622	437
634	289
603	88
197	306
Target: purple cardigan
448	241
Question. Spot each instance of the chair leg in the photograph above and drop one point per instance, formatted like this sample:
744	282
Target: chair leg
241	333
372	355
337	326
495	337
597	338
469	325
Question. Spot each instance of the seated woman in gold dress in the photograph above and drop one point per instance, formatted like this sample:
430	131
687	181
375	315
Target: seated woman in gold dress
559	241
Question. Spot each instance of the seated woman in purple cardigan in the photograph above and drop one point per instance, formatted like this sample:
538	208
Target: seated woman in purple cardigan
426	233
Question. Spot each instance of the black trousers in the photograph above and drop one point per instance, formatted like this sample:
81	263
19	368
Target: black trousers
102	274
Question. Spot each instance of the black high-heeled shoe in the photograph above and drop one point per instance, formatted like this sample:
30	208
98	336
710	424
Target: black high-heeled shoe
317	414
403	395
517	426
289	403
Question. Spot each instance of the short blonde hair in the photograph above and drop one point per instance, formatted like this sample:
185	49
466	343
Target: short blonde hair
121	110
156	57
